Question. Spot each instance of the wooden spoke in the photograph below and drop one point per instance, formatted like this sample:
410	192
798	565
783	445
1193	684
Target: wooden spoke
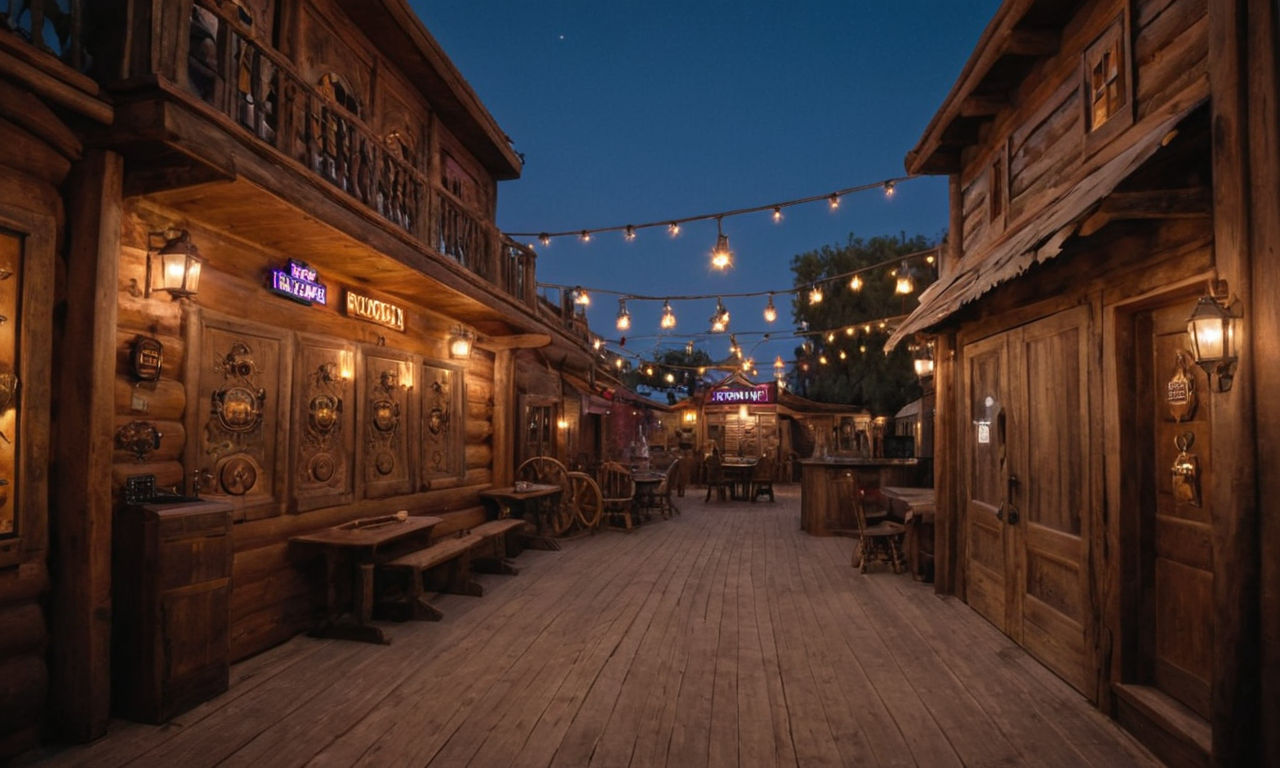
585	499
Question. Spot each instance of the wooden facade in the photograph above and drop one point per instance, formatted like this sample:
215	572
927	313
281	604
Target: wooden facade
1108	159
332	133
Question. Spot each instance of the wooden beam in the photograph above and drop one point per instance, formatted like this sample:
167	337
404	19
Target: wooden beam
1192	203
504	417
984	105
1232	499
80	659
1033	42
515	341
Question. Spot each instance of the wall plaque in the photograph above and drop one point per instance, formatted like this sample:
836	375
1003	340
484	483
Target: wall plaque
299	283
375	311
1180	393
146	358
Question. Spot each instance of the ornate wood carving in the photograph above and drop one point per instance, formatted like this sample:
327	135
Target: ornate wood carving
387	417
239	415
324	414
443	423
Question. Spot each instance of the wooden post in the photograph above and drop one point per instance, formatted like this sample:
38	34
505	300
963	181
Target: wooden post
81	604
955	232
1263	328
1233	497
948	571
504	420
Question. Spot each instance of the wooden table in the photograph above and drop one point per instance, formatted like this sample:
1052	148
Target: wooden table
647	491
359	545
918	519
738	473
536	504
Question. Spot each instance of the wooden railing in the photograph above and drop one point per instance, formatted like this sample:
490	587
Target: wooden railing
260	90
53	26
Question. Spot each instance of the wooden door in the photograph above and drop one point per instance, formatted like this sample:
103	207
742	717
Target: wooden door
1048	494
1027	488
1177	555
539	414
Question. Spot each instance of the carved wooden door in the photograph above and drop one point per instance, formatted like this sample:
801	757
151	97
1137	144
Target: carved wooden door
387	423
1175	556
1027	485
324	415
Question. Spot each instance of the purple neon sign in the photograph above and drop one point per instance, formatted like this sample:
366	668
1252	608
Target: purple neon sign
298	282
760	394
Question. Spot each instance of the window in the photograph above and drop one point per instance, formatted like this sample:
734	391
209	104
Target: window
1106	78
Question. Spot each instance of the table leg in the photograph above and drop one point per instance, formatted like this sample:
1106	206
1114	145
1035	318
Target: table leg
354	626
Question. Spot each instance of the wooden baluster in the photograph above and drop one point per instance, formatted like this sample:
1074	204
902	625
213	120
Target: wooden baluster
75	53
36	14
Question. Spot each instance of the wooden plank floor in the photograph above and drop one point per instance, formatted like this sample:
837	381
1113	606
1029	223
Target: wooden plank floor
722	637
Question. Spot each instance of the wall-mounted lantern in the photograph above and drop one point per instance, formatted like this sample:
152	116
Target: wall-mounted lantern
175	266
922	358
460	343
1212	330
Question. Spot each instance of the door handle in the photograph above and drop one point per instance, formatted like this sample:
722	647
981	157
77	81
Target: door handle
1012	511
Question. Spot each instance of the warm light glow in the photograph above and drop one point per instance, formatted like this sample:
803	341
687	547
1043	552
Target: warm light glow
888	189
460	343
586	236
597	344
815	294
702	371
624	317
721	256
747	364
717	325
690	417
770	311
581	297
904	285
778	364
668	316
834	201
629	233
545	239
1212	333
617	362
843	356
777	214
831	337
822	359
648	371
670	377
346	365
744	412
855	283
688	347
924	367
929	259
862	348
176	267
849	331
562	423
673	228
734	349
866	328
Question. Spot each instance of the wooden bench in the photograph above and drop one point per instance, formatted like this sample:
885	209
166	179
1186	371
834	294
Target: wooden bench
455	552
505	536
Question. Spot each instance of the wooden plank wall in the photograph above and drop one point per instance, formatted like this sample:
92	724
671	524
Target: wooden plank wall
272	596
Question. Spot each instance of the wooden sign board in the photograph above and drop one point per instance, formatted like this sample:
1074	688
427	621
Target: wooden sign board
375	311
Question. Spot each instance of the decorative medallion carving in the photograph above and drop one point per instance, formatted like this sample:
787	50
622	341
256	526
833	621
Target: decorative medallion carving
139	438
388	468
237	475
238	406
324	450
442	422
1180	392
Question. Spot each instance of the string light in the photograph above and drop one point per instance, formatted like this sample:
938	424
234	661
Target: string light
581	297
648	371
673	228
862	348
629	233
624	317
544	238
720	320
770	311
905	284
617	362
671	377
597	344
834	201
777	214
849	331
815	294
734	349
721	256
843	356
779	367
855	283
831	337
585	235
822	359
668	316
888	189
688	348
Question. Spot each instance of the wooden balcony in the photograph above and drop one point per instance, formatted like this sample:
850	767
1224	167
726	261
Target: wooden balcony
207	64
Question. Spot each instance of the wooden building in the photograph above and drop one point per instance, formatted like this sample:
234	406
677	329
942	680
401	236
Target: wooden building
244	244
1102	499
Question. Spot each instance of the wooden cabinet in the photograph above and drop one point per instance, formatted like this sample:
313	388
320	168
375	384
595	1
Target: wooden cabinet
171	587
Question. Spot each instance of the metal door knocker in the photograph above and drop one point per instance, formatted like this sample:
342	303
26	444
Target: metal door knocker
1186	471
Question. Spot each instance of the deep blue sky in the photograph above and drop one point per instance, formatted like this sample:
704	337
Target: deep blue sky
631	111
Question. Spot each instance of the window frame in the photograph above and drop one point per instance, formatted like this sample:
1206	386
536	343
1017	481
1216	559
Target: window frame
1115	35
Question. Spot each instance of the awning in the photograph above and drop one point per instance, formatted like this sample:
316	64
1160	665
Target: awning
1038	241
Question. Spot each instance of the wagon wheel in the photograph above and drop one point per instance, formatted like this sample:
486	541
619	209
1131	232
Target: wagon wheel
548	471
585	499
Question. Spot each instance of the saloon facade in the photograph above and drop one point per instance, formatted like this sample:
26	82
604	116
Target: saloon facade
249	254
1103	499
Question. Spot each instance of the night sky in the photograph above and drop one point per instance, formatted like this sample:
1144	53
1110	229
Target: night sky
629	112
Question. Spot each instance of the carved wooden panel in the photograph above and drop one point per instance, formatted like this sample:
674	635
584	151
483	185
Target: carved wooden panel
444	422
387	417
239	414
324	416
328	49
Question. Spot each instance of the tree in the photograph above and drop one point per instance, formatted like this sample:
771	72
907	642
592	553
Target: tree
681	364
866	376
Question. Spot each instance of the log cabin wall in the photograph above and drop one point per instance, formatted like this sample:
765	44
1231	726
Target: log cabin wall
272	596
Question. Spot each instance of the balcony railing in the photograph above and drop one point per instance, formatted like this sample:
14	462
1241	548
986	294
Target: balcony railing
260	90
53	26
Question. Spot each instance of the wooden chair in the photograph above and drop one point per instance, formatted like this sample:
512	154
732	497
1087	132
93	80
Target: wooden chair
619	492
669	480
716	481
879	540
762	478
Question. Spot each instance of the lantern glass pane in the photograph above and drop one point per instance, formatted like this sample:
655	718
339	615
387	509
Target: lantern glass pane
1207	338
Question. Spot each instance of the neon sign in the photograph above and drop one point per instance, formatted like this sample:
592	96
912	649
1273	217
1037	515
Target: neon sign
298	283
760	394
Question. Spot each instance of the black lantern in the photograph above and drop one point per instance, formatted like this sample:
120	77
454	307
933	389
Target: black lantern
1211	330
175	268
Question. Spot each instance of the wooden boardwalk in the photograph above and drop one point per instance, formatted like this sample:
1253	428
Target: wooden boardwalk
723	637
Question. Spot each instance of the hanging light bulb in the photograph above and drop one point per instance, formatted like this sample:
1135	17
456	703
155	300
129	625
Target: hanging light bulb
597	344
721	256
688	347
888	190
629	233
929	259
866	328
624	317
770	311
777	214
862	348
904	284
617	362
848	331
545	239
673	228
581	297
668	316
843	356
586	236
815	294
822	359
670	377
746	365
702	371
719	320
883	324
855	283
648	371
734	349
779	367
834	201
